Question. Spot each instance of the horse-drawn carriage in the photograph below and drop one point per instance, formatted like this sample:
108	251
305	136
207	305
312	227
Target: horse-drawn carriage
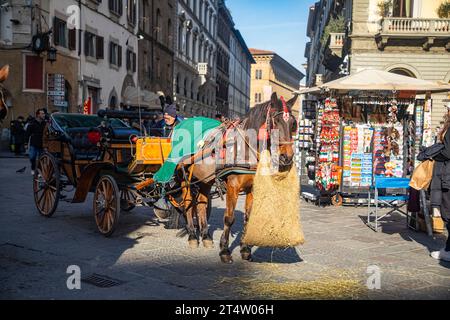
102	155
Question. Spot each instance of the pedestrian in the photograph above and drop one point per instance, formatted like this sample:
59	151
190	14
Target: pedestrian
171	120
35	132
220	117
156	126
440	186
18	132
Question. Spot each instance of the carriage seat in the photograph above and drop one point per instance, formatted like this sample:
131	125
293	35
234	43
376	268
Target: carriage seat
82	147
122	135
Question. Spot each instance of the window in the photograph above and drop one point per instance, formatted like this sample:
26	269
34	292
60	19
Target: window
158	25
258	74
59	32
116	7
89	44
188	44
158	68
180	37
131	61
34	73
258	97
131	12
115	54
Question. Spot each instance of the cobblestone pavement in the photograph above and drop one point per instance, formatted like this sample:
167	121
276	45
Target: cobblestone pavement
153	263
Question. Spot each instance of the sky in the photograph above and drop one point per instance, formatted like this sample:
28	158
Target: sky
276	25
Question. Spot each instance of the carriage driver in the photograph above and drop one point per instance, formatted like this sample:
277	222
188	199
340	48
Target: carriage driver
171	120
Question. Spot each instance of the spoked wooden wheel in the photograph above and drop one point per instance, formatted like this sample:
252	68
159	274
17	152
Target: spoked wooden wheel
46	185
127	200
107	205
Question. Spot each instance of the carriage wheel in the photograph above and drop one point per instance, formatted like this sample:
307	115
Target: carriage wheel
46	185
337	200
107	205
127	200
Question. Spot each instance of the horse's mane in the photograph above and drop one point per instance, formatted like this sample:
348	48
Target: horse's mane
256	116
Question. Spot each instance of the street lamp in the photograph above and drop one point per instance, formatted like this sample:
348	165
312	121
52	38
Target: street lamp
52	54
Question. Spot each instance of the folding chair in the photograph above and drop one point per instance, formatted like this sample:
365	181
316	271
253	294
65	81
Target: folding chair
394	201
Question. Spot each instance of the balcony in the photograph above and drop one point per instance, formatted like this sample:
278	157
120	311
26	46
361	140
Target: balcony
204	72
428	30
336	43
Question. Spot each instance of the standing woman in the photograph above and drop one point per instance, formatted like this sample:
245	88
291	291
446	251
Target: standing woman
440	186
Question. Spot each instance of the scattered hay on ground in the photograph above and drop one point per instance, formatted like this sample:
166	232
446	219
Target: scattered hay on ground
335	286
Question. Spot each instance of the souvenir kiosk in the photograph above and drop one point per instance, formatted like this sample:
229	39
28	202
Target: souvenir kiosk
363	132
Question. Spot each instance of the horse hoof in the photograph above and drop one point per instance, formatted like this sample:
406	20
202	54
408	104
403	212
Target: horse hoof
226	259
246	256
193	244
208	244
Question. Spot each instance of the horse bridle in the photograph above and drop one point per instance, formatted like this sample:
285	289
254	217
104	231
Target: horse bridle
271	116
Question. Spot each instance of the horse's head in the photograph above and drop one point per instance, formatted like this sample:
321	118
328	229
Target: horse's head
4	73
282	120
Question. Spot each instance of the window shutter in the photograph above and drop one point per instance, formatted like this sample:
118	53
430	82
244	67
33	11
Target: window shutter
128	60
100	48
119	56
120	7
110	4
72	39
134	61
86	43
55	31
110	52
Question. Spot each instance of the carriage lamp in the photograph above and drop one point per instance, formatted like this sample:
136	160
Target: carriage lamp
52	54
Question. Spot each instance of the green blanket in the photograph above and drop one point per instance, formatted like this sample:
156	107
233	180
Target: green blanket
185	141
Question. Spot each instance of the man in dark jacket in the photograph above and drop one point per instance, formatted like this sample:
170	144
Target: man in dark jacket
440	187
35	132
171	120
18	132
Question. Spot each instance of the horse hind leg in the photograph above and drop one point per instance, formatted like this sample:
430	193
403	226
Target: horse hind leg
202	209
232	196
189	209
246	251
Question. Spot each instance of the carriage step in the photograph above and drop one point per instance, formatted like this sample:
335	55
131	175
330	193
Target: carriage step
102	281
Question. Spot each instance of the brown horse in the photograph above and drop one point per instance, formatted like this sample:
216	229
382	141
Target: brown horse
4	73
275	114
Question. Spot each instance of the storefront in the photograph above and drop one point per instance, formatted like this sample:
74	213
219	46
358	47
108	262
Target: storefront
364	133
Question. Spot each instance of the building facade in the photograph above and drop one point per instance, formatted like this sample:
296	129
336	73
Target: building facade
241	61
270	74
96	57
401	36
224	30
194	84
28	86
157	38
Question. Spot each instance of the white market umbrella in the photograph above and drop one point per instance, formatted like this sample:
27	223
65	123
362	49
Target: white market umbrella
371	80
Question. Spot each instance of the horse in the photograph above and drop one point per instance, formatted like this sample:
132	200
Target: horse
4	73
275	114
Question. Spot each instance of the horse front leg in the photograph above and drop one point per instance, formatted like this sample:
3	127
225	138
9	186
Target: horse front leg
232	196
202	214
246	251
189	209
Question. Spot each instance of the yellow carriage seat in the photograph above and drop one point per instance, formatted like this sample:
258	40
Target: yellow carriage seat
152	151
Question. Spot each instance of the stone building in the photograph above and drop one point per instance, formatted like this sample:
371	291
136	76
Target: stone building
21	22
241	61
96	55
224	31
194	84
272	73
157	38
404	36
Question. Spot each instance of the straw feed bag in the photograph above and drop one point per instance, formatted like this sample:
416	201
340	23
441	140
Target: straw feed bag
275	217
